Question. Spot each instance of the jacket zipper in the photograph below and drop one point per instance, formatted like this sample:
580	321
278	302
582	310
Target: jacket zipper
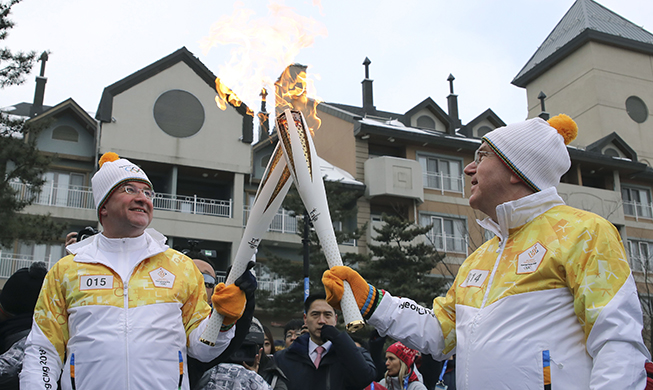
485	297
125	286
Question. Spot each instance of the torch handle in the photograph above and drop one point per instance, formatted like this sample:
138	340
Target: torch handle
302	161
273	188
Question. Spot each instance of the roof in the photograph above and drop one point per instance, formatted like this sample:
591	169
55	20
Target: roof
21	109
617	141
346	111
69	106
585	21
105	107
430	105
332	173
488	115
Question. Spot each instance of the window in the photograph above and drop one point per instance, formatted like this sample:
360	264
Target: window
637	202
639	255
65	189
426	122
636	109
448	234
65	133
441	173
178	113
348	226
612	152
483	130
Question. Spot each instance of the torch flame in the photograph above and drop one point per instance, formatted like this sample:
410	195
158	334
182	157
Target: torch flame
226	95
263	47
292	89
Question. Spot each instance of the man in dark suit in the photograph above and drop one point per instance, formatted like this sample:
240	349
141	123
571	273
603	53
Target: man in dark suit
324	357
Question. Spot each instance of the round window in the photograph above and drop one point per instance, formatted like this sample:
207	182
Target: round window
179	113
636	109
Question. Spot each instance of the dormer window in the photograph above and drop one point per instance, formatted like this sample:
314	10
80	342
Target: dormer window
426	122
65	133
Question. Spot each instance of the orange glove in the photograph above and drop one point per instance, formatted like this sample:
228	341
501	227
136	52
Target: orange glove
367	296
229	301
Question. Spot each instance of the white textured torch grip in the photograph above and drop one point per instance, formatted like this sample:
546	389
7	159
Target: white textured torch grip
305	168
214	324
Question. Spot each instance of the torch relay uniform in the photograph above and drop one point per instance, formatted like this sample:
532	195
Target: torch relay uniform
119	314
549	303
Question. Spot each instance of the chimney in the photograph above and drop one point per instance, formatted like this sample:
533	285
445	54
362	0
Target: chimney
544	115
452	101
263	117
368	98
39	93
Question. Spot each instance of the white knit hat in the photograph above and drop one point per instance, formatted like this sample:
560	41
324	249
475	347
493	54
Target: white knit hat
535	150
113	172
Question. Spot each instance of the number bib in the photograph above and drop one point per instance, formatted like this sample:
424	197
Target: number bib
96	282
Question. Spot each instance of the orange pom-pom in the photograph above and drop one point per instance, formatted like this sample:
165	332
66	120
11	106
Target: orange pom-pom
108	157
566	127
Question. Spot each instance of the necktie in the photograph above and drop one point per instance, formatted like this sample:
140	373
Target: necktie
318	359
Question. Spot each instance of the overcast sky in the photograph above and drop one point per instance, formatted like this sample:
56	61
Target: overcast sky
413	46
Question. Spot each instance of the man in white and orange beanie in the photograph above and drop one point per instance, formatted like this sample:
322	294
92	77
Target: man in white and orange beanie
125	310
549	302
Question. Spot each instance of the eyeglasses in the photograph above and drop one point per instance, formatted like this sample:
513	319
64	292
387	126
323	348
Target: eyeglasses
209	281
292	334
131	190
479	155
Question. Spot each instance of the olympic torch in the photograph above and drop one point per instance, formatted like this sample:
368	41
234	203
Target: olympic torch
302	161
273	188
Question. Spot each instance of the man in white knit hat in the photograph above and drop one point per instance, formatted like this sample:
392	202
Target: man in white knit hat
549	303
123	311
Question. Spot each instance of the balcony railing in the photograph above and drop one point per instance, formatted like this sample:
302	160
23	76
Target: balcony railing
82	198
444	182
638	210
193	205
11	262
283	221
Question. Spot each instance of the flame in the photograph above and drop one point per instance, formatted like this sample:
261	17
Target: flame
262	49
292	90
226	95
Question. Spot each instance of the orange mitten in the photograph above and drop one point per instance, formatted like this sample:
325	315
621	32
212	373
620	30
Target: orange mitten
366	295
229	301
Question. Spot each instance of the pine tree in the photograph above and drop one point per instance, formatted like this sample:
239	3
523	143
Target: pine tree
342	205
401	265
20	160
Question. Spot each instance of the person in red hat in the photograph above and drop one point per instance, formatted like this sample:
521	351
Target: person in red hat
400	372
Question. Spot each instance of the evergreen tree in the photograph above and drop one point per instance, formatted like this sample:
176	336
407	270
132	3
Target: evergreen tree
401	265
342	205
20	160
13	66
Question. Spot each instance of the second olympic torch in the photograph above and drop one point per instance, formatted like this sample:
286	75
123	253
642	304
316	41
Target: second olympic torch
273	188
303	164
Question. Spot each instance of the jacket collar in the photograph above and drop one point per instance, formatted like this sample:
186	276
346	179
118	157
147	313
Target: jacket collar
150	243
516	213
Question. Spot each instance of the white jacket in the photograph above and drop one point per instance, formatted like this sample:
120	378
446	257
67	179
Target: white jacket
549	301
104	333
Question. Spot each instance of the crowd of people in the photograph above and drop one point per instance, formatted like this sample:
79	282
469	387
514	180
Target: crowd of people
548	303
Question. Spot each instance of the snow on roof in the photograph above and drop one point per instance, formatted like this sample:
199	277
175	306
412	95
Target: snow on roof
334	173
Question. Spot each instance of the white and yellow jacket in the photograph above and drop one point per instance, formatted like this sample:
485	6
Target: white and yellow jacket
119	314
549	303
